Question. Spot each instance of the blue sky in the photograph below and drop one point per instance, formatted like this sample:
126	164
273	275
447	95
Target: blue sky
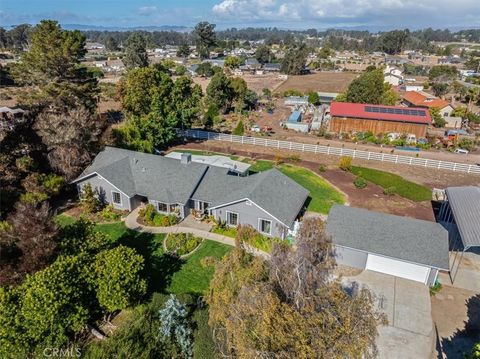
242	13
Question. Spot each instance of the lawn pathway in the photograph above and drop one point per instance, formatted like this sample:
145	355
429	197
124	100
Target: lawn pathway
132	223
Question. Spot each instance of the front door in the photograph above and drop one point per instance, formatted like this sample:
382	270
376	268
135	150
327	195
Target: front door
202	206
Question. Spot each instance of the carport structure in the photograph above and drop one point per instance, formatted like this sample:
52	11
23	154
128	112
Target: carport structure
460	215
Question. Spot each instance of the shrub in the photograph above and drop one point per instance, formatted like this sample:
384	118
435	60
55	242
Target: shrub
89	200
345	163
390	191
467	144
151	217
293	158
52	183
182	243
33	197
360	182
322	168
240	129
24	163
109	213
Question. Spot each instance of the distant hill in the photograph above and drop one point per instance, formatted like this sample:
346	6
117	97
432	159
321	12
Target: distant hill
133	28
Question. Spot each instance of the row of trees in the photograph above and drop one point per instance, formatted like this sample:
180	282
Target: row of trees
289	306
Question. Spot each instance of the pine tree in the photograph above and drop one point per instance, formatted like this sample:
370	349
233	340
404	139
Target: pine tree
175	325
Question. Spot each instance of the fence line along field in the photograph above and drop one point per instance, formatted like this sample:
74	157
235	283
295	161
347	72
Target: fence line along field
320	81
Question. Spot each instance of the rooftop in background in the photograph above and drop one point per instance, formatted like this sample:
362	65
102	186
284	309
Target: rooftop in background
409	239
380	112
217	161
423	99
296	116
465	205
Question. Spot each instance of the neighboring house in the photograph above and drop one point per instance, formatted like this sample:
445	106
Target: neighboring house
269	201
399	246
425	100
294	122
355	117
296	101
393	76
453	122
271	67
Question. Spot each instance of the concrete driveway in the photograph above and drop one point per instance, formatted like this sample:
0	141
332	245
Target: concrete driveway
410	331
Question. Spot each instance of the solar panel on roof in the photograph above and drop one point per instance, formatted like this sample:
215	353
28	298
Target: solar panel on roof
397	111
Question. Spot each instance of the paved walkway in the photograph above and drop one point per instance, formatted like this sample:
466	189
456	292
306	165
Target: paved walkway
131	223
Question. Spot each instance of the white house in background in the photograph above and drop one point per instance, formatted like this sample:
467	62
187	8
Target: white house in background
393	75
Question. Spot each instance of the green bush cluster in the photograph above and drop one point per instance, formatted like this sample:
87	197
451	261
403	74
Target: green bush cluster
150	216
345	163
221	227
360	182
182	243
390	191
108	213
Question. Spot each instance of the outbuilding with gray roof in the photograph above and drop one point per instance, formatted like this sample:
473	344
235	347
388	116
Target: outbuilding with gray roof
400	246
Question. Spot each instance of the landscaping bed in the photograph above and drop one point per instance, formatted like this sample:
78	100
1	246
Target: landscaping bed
181	244
150	217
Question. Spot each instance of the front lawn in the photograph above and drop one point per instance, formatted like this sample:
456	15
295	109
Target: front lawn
322	195
260	165
397	184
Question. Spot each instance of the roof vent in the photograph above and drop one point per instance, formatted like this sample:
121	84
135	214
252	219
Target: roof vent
186	158
144	169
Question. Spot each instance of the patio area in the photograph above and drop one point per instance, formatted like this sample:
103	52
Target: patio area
191	222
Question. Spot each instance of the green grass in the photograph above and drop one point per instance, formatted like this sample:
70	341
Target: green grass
192	276
205	153
227	231
260	165
165	274
322	195
404	188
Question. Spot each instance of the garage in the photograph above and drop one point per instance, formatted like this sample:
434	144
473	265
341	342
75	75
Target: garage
397	268
399	246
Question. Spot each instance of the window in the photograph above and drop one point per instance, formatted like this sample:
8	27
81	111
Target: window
265	226
116	198
162	207
232	218
173	207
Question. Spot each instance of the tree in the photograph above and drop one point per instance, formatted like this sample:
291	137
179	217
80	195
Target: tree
183	50
443	73
205	69
29	245
174	325
135	51
89	199
19	36
52	66
239	129
440	88
111	44
117	278
289	306
205	38
313	98
70	136
367	88
211	116
295	59
263	54
233	62
156	106
393	42
326	51
438	120
220	92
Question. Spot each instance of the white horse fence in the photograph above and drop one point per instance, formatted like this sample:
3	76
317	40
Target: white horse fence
334	151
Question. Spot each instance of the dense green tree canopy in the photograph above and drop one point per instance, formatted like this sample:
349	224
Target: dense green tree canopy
52	65
370	88
205	38
393	42
295	59
135	51
263	54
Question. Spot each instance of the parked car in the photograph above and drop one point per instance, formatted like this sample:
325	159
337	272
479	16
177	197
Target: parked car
461	151
255	128
411	139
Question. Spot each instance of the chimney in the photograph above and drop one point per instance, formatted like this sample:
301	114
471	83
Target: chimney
186	158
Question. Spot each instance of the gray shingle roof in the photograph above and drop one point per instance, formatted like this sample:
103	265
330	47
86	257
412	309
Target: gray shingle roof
409	239
465	205
158	178
271	190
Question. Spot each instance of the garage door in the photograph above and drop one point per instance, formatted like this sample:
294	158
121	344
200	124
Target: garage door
397	268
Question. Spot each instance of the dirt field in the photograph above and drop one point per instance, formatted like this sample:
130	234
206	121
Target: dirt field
254	82
321	81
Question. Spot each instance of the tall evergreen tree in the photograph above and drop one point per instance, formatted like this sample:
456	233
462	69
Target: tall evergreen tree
135	51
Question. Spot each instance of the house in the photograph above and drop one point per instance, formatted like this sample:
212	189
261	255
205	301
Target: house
294	122
425	100
269	201
393	76
453	122
271	67
400	246
378	119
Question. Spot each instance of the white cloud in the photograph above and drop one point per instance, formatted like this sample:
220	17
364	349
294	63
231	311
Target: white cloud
436	13
147	10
